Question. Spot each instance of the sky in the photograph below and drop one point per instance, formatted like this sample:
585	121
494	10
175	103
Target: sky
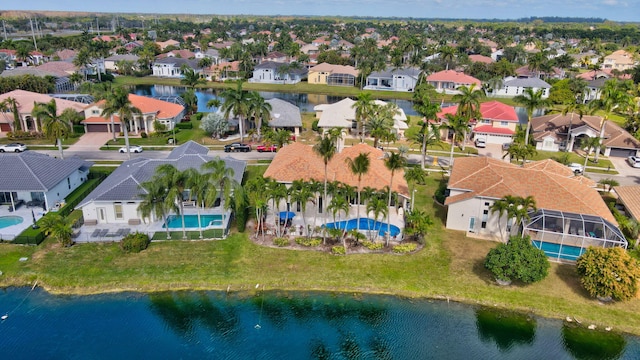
617	10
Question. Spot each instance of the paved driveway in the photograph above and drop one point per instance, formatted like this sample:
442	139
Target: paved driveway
90	141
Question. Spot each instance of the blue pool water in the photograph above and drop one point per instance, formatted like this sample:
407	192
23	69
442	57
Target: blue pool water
365	224
565	252
9	221
191	221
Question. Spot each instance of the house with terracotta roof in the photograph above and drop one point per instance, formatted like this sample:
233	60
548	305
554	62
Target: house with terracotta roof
570	216
223	71
336	75
512	86
26	101
629	198
481	59
619	60
448	81
111	63
181	53
557	132
164	44
393	79
498	123
152	110
60	70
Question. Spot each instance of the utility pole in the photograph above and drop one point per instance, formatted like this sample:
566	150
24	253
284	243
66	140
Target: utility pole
98	25
4	28
33	34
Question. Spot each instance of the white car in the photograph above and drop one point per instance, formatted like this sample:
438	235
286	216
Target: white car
481	143
133	148
13	147
577	168
634	161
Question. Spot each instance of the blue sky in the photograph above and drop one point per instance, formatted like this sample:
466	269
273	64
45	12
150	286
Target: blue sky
618	10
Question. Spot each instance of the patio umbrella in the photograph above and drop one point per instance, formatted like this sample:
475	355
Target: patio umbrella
286	215
33	216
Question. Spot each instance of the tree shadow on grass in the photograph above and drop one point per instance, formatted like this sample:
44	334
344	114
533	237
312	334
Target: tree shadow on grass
568	274
482	273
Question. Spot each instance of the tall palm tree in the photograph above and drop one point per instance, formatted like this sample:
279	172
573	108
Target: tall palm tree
222	179
613	98
359	166
326	149
500	206
393	162
337	206
53	126
414	176
364	108
259	110
153	195
588	145
458	126
175	182
200	191
301	192
379	208
258	198
118	103
277	192
58	227
531	101
10	104
190	77
469	100
428	135
236	102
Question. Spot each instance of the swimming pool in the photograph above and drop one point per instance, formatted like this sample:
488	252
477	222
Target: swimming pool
365	224
6	221
565	252
191	221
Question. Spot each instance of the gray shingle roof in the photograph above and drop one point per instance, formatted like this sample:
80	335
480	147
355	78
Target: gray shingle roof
31	171
124	183
413	72
178	62
527	83
284	114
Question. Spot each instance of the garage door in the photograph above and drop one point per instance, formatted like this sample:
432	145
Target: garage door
621	152
5	127
97	128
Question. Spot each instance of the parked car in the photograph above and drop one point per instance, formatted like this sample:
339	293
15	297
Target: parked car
13	147
577	168
481	143
634	161
266	148
133	148
239	147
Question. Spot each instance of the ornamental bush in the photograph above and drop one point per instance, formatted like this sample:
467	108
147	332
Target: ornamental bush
373	245
609	273
281	241
405	248
312	242
134	243
338	250
517	260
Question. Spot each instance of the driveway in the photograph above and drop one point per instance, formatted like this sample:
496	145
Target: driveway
492	151
90	142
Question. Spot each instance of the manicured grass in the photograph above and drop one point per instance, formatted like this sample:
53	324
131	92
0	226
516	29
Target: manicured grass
574	158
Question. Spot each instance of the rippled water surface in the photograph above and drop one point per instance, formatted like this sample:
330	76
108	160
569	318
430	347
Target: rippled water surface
284	326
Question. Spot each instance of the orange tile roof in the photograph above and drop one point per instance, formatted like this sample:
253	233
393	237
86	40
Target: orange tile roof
299	162
552	185
147	105
492	110
453	76
629	196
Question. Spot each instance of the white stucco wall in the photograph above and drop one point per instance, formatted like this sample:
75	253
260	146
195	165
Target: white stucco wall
460	213
62	190
129	212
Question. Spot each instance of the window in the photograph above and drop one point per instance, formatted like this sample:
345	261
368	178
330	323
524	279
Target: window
117	207
504	123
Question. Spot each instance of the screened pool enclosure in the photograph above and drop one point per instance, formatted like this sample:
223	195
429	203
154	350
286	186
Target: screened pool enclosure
565	236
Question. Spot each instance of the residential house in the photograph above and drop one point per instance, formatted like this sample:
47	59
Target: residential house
274	56
172	67
570	213
223	71
336	75
26	101
111	63
619	60
557	132
182	53
525	72
498	123
629	198
152	110
164	44
393	80
481	59
285	115
39	180
448	81
212	54
309	49
117	198
270	72
516	86
60	70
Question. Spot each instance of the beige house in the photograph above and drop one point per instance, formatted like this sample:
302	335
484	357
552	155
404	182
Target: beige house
26	101
619	60
329	74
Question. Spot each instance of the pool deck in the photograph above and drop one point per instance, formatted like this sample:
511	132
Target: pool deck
10	232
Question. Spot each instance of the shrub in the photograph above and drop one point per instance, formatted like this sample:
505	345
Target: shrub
609	272
184	125
281	241
518	259
373	245
405	248
338	250
308	242
314	125
78	129
441	192
135	242
143	135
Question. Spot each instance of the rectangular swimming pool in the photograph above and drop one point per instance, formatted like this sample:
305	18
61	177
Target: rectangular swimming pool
191	221
557	251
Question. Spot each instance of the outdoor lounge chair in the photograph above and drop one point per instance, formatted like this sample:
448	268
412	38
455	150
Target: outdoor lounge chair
104	233
96	232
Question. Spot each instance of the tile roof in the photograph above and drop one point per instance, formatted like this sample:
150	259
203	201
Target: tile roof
297	161
489	129
629	196
147	105
335	69
26	100
342	113
480	58
284	114
453	76
552	185
491	110
32	171
124	183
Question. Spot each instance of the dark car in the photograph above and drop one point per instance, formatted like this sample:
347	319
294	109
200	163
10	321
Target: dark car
266	148
239	147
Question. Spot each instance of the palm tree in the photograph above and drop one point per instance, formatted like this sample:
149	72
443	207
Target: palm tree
364	108
495	84
337	205
588	145
236	102
214	103
393	162
200	191
222	179
612	98
277	192
414	176
10	104
531	101
153	201
258	199
175	182
190	77
190	100
57	227
259	109
118	103
301	192
500	206
458	125
326	149
53	126
359	166
469	100
379	208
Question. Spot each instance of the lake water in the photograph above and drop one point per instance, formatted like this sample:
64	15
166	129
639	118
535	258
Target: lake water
305	102
212	325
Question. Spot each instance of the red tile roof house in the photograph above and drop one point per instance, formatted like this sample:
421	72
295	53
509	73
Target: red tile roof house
26	101
152	110
448	81
570	210
497	126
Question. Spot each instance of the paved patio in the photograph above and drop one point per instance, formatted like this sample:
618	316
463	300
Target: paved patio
10	232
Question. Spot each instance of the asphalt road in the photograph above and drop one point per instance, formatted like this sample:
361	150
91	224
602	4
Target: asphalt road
151	154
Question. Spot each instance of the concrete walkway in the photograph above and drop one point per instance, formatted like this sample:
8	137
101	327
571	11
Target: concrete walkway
90	141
